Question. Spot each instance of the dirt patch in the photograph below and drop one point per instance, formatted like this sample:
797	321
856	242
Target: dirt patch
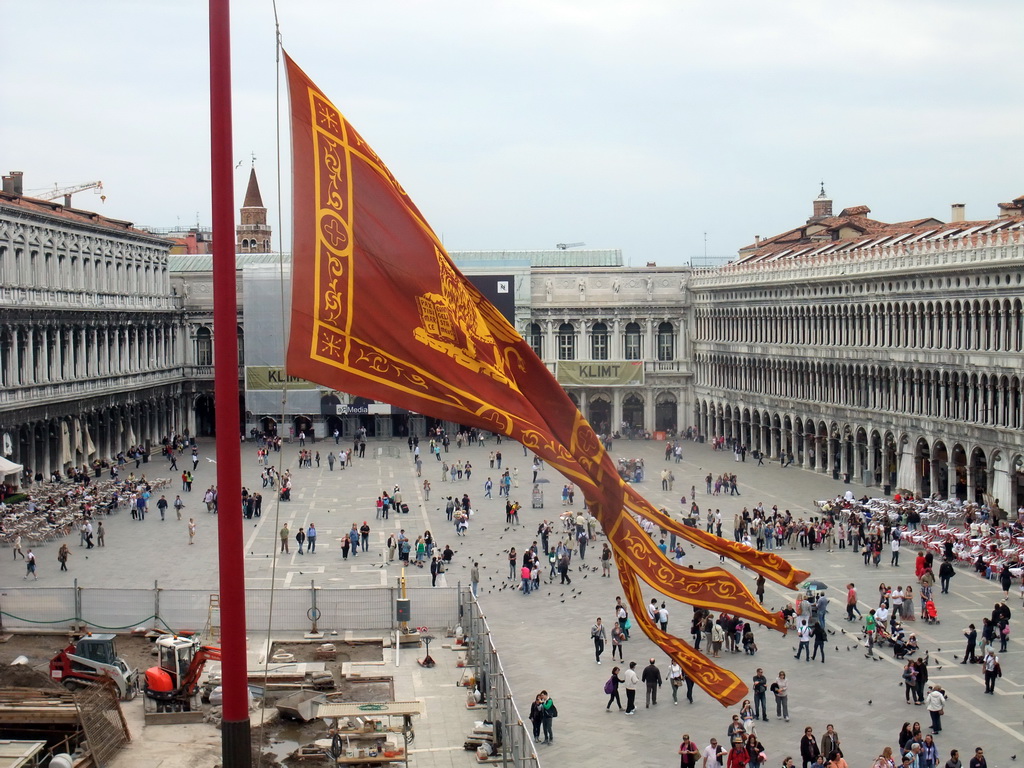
304	652
20	676
137	652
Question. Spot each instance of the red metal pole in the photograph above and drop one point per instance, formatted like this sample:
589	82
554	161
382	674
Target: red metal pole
235	736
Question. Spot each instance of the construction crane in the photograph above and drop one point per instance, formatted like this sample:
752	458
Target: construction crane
566	246
67	192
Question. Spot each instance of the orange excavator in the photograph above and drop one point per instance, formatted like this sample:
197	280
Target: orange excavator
172	685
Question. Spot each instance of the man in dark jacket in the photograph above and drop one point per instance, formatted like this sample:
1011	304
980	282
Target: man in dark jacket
946	572
971	634
652	677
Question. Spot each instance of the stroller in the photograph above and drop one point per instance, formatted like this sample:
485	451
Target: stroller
930	614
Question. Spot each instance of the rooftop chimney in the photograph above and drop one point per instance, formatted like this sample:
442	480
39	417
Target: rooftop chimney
16	181
957	212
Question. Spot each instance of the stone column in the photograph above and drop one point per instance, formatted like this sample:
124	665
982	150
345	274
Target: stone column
13	358
44	373
30	366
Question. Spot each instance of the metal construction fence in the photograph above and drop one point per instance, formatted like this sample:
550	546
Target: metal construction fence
336	609
517	748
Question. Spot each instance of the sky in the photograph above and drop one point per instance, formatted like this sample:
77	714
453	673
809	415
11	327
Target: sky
669	129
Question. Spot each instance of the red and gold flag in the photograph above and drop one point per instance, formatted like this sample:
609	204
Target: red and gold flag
380	311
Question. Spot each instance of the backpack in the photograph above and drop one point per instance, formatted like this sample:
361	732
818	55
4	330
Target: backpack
609	686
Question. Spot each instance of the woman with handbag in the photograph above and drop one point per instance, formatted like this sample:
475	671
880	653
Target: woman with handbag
675	679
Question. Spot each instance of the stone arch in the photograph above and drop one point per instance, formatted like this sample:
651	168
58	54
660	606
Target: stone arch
666	411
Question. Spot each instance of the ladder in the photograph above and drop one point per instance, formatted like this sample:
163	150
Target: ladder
213	617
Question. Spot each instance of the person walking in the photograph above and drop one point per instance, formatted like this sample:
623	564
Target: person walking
474	578
599	635
364	536
675	679
820	636
688	752
781	690
161	507
630	680
16	547
311	539
652	678
946	572
809	751
300	539
760	690
178	506
550	712
30	564
971	633
285	535
536	715
100	534
618	638
191	530
62	556
611	687
804	636
992	670
714	755
935	702
829	742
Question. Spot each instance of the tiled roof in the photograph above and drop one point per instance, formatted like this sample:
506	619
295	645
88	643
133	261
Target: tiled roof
74	215
852	230
881	235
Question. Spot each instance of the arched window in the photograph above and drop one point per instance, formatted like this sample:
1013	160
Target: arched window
633	342
535	339
566	342
599	342
204	347
666	342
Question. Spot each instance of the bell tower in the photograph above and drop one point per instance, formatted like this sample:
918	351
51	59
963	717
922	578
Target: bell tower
253	235
822	206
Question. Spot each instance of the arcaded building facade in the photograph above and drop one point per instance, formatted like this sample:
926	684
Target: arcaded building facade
888	353
91	337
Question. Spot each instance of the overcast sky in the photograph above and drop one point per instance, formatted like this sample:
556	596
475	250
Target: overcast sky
638	125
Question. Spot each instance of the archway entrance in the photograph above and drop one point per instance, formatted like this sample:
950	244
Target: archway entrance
979	474
940	469
959	468
206	415
302	424
666	411
633	412
600	414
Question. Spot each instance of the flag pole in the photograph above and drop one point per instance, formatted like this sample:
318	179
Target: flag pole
236	748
